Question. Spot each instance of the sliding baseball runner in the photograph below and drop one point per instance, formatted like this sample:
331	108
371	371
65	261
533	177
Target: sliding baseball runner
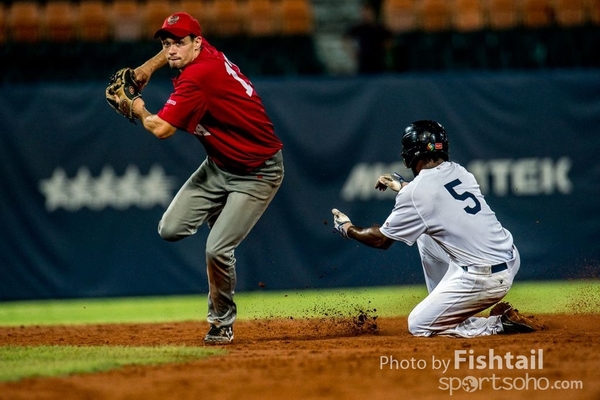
469	259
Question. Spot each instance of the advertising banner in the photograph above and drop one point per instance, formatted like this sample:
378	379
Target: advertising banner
82	189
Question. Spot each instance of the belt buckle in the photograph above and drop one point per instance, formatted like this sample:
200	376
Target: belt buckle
483	270
487	270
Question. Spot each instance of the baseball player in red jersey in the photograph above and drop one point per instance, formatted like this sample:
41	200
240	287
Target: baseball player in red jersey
243	170
468	258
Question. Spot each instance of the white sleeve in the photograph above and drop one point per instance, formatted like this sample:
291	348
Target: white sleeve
404	223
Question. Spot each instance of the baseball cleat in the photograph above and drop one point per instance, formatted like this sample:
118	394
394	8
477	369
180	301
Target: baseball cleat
219	335
513	322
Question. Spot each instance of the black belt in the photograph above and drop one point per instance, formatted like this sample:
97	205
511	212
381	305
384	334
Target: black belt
495	268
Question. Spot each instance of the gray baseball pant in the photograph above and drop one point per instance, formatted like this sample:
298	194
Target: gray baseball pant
231	205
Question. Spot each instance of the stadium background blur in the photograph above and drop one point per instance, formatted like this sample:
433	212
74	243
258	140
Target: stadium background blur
88	39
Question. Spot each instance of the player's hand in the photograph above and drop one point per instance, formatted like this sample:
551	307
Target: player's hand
341	222
142	76
385	181
145	71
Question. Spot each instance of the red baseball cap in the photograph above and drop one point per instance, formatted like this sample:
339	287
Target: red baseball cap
180	25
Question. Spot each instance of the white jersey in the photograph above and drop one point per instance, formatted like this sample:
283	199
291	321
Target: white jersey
446	203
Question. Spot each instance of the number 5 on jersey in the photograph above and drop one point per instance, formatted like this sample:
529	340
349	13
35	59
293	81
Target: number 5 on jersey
463	197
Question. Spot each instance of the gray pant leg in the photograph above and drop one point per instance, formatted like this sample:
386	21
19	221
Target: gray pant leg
201	197
243	209
231	204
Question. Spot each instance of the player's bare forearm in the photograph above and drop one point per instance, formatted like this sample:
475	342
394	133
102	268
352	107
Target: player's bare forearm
152	122
145	71
157	126
370	236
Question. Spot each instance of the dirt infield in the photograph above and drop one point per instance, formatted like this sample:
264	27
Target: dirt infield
353	358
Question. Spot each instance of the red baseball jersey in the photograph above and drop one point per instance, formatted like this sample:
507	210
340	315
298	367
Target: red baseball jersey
215	102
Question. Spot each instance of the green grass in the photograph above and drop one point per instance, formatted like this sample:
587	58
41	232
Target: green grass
536	297
253	305
17	362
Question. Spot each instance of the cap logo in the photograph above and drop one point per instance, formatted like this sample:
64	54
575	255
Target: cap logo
173	19
439	146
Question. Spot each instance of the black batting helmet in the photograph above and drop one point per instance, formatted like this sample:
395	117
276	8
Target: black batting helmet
421	138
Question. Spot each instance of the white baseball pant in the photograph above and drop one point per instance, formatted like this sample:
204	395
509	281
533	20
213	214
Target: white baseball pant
456	295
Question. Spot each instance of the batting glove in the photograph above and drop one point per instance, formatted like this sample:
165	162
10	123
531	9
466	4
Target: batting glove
341	222
387	181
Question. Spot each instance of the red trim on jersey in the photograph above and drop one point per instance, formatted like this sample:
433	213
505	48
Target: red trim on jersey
215	102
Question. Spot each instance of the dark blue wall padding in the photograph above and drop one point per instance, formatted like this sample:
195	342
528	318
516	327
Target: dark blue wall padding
82	189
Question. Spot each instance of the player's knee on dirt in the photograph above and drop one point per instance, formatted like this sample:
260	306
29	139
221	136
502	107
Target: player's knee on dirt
415	326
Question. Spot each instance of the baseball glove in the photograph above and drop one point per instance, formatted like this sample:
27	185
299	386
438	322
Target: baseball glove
121	91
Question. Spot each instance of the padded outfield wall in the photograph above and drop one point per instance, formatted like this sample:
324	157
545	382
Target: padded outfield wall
82	189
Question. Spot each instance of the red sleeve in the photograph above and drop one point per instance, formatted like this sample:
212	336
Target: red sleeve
185	107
